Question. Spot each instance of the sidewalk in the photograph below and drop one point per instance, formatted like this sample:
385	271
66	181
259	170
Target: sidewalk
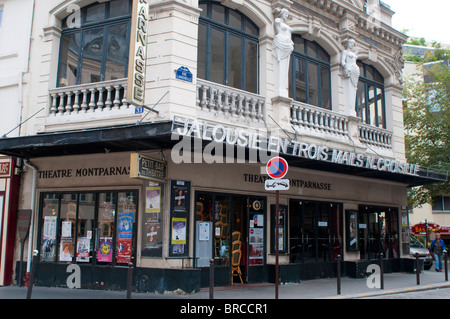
309	289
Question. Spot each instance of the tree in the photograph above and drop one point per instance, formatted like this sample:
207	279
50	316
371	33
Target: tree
427	124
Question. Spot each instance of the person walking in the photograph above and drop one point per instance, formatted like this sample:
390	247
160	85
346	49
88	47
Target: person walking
437	249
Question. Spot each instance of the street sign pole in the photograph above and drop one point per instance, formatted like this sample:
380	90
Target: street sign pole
277	204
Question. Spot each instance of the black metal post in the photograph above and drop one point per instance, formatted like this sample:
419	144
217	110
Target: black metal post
446	264
338	274
129	279
417	269
33	270
211	279
277	267
381	271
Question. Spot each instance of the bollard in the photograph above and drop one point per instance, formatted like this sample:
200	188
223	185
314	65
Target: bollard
381	271
417	269
338	277
129	279
211	279
446	264
33	270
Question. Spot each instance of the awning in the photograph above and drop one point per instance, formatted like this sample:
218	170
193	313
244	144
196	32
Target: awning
99	140
151	136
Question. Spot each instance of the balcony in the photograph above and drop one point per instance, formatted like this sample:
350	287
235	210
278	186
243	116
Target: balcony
92	104
228	104
316	121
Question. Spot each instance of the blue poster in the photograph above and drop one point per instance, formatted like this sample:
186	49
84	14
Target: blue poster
125	227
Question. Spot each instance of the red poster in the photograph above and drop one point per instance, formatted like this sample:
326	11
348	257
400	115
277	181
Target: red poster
124	247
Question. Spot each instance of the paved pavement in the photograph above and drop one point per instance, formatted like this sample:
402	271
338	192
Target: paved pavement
394	283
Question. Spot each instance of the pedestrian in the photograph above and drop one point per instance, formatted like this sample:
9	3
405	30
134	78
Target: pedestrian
437	248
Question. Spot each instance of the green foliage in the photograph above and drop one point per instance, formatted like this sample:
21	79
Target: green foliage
427	122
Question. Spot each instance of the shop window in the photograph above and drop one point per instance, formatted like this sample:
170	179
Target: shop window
227	47
370	103
309	74
97	48
92	227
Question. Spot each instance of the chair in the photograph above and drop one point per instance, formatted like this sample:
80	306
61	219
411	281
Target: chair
235	262
236	235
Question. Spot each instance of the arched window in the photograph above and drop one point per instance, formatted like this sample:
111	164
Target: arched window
309	76
370	105
227	47
95	48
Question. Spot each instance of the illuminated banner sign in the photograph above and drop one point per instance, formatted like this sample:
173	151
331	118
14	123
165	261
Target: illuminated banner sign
138	53
241	137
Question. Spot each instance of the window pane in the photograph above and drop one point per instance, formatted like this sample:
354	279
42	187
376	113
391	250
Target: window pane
299	45
325	86
217	56
201	51
300	80
311	49
95	13
251	28
50	213
437	203
235	63
125	227
372	106
204	8
379	105
361	102
323	55
218	13
447	203
68	62
92	56
106	226
117	53
119	8
313	85
235	20
85	229
251	66
67	227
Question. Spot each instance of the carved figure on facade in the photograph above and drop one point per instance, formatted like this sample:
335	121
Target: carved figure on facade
283	47
351	77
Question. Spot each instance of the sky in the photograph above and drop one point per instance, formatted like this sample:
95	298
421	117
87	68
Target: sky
428	19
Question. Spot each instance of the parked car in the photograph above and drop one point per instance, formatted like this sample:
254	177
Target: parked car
416	245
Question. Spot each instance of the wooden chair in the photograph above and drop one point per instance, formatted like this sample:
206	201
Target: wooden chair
235	261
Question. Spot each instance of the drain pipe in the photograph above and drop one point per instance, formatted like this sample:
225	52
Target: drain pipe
30	234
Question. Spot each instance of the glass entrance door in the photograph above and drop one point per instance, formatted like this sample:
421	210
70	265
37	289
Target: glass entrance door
315	231
238	229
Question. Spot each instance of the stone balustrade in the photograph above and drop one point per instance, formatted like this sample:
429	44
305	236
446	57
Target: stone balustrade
92	97
375	136
225	100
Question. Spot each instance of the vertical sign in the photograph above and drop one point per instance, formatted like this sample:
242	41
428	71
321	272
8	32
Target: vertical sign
138	53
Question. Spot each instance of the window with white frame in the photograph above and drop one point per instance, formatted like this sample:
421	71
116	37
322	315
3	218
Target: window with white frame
441	204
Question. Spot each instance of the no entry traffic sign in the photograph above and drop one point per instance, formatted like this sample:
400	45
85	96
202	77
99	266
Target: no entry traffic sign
277	167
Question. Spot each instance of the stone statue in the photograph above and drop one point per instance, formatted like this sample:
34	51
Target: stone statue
351	77
283	47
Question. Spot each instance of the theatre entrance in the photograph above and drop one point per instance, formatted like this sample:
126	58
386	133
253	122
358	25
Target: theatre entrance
230	230
315	237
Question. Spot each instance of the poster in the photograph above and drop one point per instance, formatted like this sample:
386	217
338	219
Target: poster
49	239
124	249
153	199
83	248
66	249
66	229
179	230
105	249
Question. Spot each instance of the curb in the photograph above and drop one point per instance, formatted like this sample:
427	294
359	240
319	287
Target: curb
392	291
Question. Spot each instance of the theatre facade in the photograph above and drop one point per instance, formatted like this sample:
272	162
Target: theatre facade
160	117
